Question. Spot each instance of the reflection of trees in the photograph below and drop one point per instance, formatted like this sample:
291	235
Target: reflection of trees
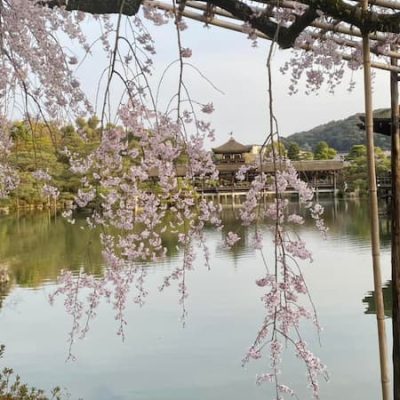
353	220
5	289
231	223
350	218
169	239
369	300
5	284
36	248
230	220
344	218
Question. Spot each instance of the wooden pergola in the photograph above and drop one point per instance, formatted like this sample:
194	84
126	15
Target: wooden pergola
360	29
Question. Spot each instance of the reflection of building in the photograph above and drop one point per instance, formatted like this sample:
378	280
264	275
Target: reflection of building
369	300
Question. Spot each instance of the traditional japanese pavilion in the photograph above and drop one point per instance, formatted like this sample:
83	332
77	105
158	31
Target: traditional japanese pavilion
231	152
382	125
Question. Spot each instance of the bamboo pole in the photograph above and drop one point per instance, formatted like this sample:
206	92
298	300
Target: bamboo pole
394	95
374	217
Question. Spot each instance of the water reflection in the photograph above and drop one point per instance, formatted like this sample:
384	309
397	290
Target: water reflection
159	360
345	218
5	289
35	246
369	300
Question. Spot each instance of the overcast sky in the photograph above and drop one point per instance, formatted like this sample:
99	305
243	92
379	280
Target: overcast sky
238	70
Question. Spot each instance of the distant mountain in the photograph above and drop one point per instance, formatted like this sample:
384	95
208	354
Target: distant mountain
341	135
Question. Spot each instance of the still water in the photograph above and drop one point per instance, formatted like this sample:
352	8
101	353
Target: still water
159	358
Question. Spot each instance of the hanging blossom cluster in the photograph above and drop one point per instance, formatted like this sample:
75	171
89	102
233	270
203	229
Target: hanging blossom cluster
323	65
323	50
285	289
37	72
33	62
138	188
317	55
285	16
139	182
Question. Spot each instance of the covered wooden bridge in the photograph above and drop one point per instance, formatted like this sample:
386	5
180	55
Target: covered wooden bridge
323	175
232	155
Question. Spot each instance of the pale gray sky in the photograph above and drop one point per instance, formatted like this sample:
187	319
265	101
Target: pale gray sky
236	68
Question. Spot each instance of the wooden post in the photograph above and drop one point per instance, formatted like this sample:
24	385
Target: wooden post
374	216
395	198
334	184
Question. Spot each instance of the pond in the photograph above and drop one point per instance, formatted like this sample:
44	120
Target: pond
160	359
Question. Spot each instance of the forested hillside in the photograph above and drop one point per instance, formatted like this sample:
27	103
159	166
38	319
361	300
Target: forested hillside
342	135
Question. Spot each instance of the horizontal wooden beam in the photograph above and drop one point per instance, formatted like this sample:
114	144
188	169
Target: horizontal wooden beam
391	4
334	28
238	28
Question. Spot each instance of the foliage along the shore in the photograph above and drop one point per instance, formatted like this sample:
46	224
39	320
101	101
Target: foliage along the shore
356	172
40	146
12	387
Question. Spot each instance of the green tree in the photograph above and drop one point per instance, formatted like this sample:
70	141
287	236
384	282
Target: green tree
38	145
358	150
293	151
306	155
278	147
324	152
356	173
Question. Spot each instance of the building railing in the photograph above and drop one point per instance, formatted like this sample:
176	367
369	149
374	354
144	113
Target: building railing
384	180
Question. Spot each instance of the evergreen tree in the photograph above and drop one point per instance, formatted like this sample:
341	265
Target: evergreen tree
324	152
